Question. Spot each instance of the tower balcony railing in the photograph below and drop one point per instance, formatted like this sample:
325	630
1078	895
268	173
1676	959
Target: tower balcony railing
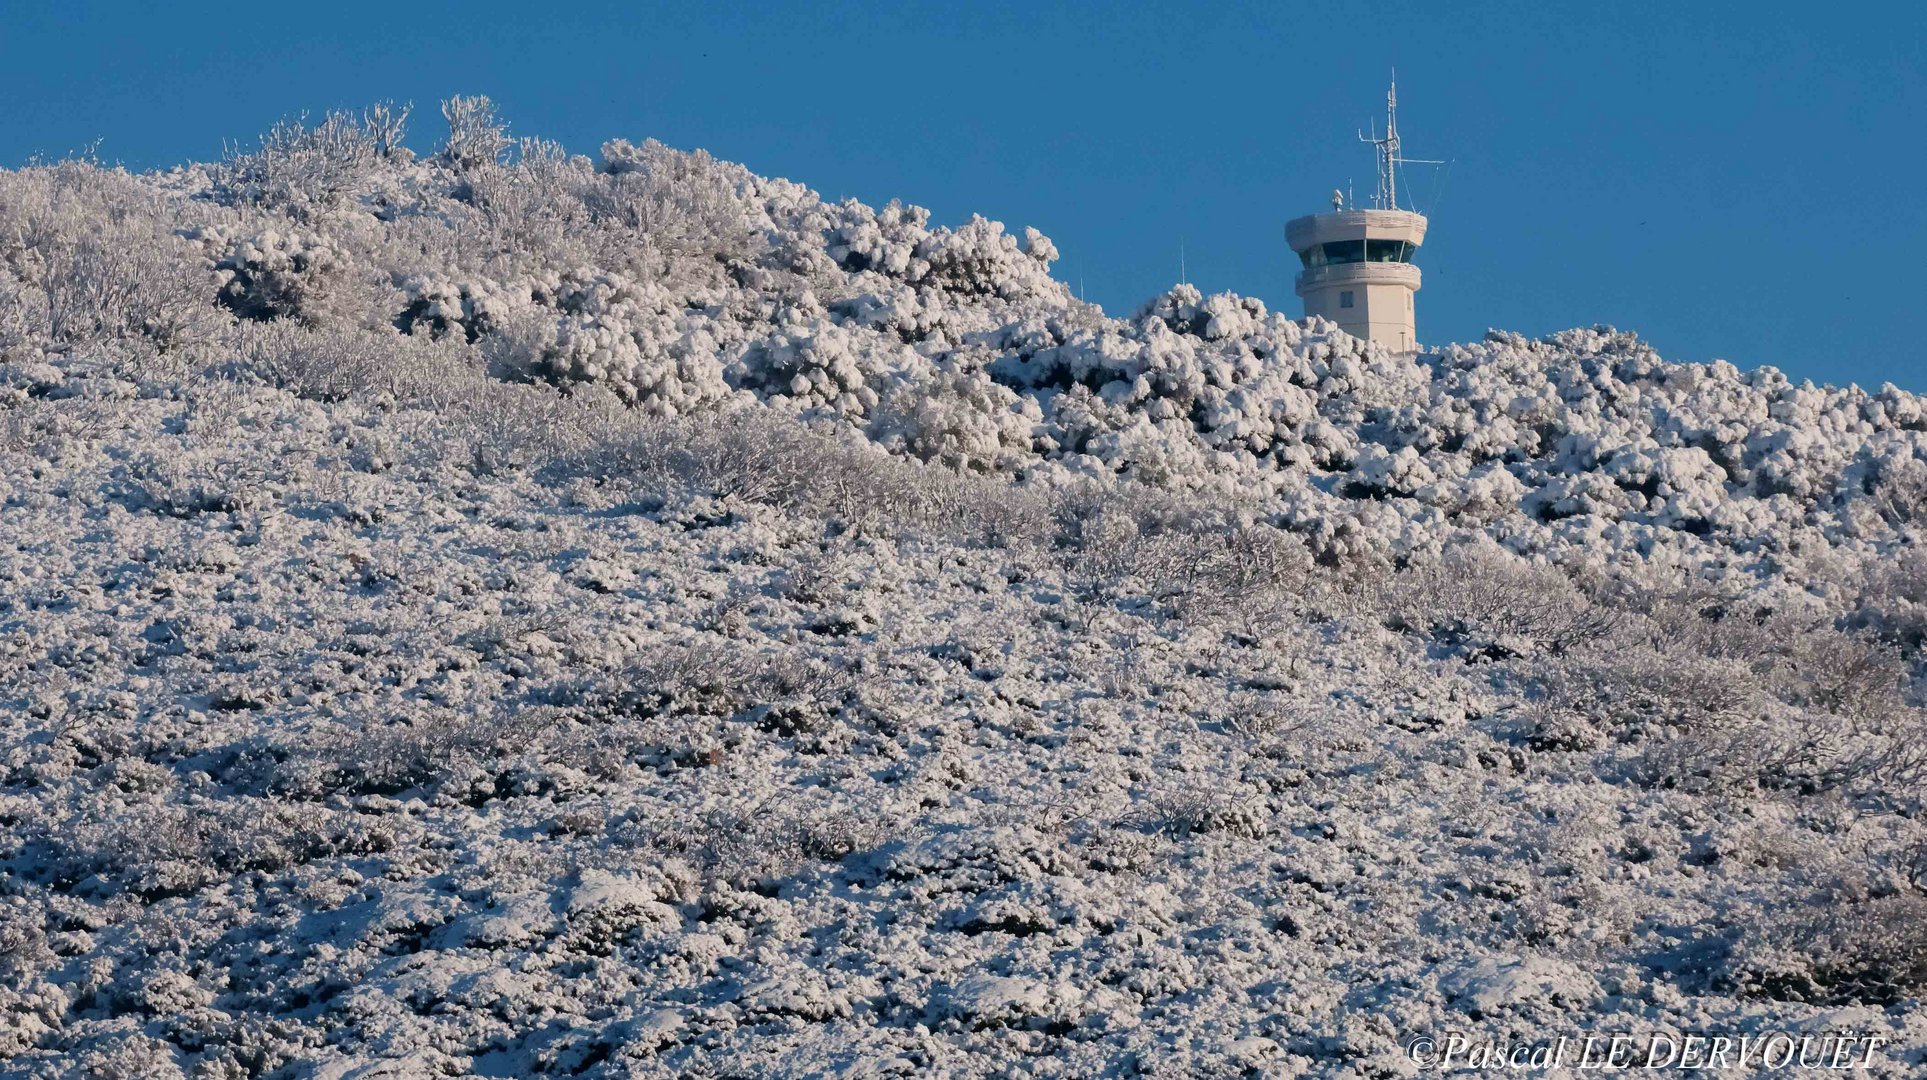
1359	273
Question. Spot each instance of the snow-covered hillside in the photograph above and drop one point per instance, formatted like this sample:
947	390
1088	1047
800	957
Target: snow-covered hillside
505	614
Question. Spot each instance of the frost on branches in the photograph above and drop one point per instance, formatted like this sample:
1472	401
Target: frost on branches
496	612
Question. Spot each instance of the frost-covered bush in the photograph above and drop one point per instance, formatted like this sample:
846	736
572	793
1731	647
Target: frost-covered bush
605	330
87	259
751	456
738	457
1845	948
1248	575
1891	598
683	204
184	485
535	208
331	364
476	135
958	417
884	241
309	171
386	124
1715	701
370	755
17	323
1494	604
812	365
272	274
979	258
514	428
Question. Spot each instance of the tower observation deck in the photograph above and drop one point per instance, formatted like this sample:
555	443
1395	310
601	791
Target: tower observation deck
1358	268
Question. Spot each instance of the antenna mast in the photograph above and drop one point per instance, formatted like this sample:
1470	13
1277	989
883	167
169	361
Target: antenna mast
1387	149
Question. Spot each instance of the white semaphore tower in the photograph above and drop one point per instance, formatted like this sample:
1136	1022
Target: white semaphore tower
1358	268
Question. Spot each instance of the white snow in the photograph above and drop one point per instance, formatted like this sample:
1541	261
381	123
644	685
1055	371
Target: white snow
879	662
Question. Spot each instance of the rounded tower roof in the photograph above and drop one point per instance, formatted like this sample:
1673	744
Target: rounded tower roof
1304	232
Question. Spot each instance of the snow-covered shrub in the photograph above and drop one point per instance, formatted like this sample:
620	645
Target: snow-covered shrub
689	678
140	842
764	843
1719	702
1897	486
378	755
1846	675
1491	603
309	171
959	418
535	207
1847	948
1246	575
883	241
1186	811
476	135
310	364
272	274
120	289
512	428
17	323
789	692
811	364
184	485
1108	551
979	258
94	263
386	124
735	456
332	364
604	330
438	307
133	1057
1891	598
23	946
688	206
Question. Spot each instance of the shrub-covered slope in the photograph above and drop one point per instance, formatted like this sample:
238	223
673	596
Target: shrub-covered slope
504	614
683	284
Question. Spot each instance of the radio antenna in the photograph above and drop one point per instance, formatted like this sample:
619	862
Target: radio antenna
1387	149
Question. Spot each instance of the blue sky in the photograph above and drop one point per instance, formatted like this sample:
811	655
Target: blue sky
1729	180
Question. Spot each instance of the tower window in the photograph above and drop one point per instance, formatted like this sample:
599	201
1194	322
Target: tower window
1387	251
1333	253
1345	298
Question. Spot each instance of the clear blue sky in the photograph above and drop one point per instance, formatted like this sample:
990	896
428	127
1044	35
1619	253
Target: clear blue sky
1729	180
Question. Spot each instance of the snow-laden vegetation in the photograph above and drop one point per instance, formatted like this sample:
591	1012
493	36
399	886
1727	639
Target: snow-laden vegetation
503	613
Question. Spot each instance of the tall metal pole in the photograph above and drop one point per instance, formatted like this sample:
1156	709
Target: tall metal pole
1387	150
1390	148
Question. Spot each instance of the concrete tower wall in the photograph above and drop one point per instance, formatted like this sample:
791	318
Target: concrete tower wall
1381	300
